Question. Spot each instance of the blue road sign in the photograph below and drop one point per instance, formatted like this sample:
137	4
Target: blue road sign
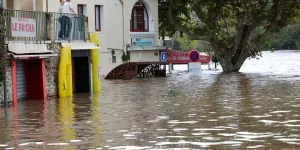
164	56
194	56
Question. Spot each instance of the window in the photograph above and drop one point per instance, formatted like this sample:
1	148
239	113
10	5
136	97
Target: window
139	18
97	18
80	10
114	59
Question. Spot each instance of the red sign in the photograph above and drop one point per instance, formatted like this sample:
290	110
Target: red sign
194	56
179	57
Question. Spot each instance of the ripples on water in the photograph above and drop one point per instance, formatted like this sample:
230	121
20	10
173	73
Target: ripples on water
258	108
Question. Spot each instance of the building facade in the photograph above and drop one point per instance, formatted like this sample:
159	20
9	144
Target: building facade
128	31
123	25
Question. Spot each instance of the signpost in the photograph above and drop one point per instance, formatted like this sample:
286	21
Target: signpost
194	56
164	57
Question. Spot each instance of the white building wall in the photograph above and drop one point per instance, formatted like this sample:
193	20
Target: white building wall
115	22
152	9
144	56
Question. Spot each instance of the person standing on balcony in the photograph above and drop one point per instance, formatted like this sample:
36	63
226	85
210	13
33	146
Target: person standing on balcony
66	23
60	10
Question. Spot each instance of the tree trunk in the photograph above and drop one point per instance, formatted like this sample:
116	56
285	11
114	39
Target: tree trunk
228	65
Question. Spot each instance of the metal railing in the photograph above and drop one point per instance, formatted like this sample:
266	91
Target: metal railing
69	26
41	26
14	28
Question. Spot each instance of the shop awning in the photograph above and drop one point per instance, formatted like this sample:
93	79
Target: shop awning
26	51
22	48
80	46
39	56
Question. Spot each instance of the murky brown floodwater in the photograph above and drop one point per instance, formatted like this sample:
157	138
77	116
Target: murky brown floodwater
259	109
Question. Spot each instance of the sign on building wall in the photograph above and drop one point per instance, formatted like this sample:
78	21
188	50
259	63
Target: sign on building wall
143	41
23	27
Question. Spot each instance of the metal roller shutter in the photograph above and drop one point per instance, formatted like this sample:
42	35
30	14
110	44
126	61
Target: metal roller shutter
21	79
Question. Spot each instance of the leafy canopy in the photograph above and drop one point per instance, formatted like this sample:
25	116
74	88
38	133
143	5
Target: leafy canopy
235	28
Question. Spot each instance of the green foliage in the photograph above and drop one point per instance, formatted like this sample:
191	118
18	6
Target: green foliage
173	93
287	39
183	43
126	56
3	60
235	29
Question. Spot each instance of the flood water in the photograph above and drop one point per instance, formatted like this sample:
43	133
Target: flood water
256	109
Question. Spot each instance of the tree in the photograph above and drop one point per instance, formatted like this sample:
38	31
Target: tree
287	39
183	43
3	60
235	29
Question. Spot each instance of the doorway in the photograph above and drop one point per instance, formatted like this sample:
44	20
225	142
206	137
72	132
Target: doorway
82	74
29	79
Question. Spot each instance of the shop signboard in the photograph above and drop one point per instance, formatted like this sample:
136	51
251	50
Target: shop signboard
23	27
144	42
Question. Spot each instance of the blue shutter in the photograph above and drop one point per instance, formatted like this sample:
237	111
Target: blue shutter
21	79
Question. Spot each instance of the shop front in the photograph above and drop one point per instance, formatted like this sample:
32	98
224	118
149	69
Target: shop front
29	70
85	70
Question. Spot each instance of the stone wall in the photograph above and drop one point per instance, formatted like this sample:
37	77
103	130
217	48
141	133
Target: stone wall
52	65
9	87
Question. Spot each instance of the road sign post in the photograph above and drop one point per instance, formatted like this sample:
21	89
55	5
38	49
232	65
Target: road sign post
164	57
194	56
195	64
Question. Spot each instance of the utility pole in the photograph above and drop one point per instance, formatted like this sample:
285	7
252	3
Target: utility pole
4	49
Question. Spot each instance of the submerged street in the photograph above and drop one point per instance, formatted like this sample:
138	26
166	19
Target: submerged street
257	108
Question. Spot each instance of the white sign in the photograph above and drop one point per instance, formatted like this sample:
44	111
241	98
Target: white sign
143	42
194	66
23	27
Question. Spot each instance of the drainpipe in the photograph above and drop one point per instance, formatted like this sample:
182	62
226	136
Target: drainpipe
34	5
47	6
123	23
5	92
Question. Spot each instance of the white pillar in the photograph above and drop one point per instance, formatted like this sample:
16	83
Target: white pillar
170	68
209	65
140	56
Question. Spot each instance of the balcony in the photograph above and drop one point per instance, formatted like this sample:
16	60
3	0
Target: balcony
68	27
41	26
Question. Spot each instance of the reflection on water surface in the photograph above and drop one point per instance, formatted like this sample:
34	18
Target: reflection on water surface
256	109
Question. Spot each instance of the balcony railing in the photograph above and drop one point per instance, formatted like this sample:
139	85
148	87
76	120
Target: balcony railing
41	26
69	26
25	25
